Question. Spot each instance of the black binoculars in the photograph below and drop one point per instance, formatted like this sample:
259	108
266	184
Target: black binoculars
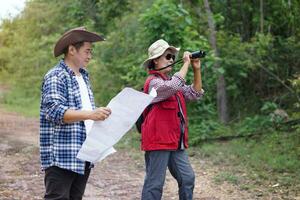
198	54
194	55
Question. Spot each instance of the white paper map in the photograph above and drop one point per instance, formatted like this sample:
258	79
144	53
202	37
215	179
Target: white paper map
126	107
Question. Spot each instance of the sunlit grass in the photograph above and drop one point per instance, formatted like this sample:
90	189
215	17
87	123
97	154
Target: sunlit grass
18	101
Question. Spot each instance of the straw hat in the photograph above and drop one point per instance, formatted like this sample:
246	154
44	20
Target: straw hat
157	49
73	36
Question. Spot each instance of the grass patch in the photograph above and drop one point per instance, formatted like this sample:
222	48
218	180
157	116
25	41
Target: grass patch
270	159
226	176
19	101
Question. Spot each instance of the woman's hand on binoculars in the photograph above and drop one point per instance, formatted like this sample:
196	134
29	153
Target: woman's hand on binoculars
196	63
186	57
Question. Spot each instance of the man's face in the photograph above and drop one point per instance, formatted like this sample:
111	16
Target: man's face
83	55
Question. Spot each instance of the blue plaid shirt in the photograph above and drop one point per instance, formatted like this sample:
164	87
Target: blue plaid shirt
59	141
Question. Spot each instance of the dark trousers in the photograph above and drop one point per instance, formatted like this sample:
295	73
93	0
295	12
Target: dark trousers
157	163
62	184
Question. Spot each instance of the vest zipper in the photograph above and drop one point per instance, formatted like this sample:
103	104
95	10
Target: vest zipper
182	124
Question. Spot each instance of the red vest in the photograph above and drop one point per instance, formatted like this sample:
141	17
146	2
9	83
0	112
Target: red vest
161	127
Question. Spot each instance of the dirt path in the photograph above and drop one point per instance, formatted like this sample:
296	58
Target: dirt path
118	177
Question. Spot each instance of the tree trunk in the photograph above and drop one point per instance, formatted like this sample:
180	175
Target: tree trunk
228	19
221	84
261	16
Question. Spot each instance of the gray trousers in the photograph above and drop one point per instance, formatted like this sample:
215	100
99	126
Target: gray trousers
180	168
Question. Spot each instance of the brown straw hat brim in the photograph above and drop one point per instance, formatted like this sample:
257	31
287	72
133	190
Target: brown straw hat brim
74	36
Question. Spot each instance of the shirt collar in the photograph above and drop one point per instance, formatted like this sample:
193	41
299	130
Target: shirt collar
163	76
70	71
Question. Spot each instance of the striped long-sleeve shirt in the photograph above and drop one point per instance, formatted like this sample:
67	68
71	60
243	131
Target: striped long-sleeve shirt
167	88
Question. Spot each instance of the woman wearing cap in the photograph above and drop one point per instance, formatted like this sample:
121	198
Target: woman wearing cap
164	130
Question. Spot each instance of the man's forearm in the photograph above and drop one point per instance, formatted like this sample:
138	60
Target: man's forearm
71	116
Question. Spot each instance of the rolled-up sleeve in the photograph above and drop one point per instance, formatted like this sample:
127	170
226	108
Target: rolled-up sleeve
54	99
190	93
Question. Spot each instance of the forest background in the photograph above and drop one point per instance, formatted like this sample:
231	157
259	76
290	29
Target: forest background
249	117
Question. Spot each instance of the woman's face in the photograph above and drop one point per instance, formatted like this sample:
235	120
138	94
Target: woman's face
166	59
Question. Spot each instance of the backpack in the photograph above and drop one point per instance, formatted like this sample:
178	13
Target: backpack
140	120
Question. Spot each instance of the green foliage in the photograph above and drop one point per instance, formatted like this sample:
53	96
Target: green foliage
165	20
268	107
254	124
205	129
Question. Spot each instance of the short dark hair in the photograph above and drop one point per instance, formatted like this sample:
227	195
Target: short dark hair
151	65
76	45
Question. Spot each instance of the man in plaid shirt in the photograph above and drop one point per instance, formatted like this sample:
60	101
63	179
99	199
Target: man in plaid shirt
67	112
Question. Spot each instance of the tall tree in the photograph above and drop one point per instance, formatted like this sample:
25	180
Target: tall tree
261	16
221	84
